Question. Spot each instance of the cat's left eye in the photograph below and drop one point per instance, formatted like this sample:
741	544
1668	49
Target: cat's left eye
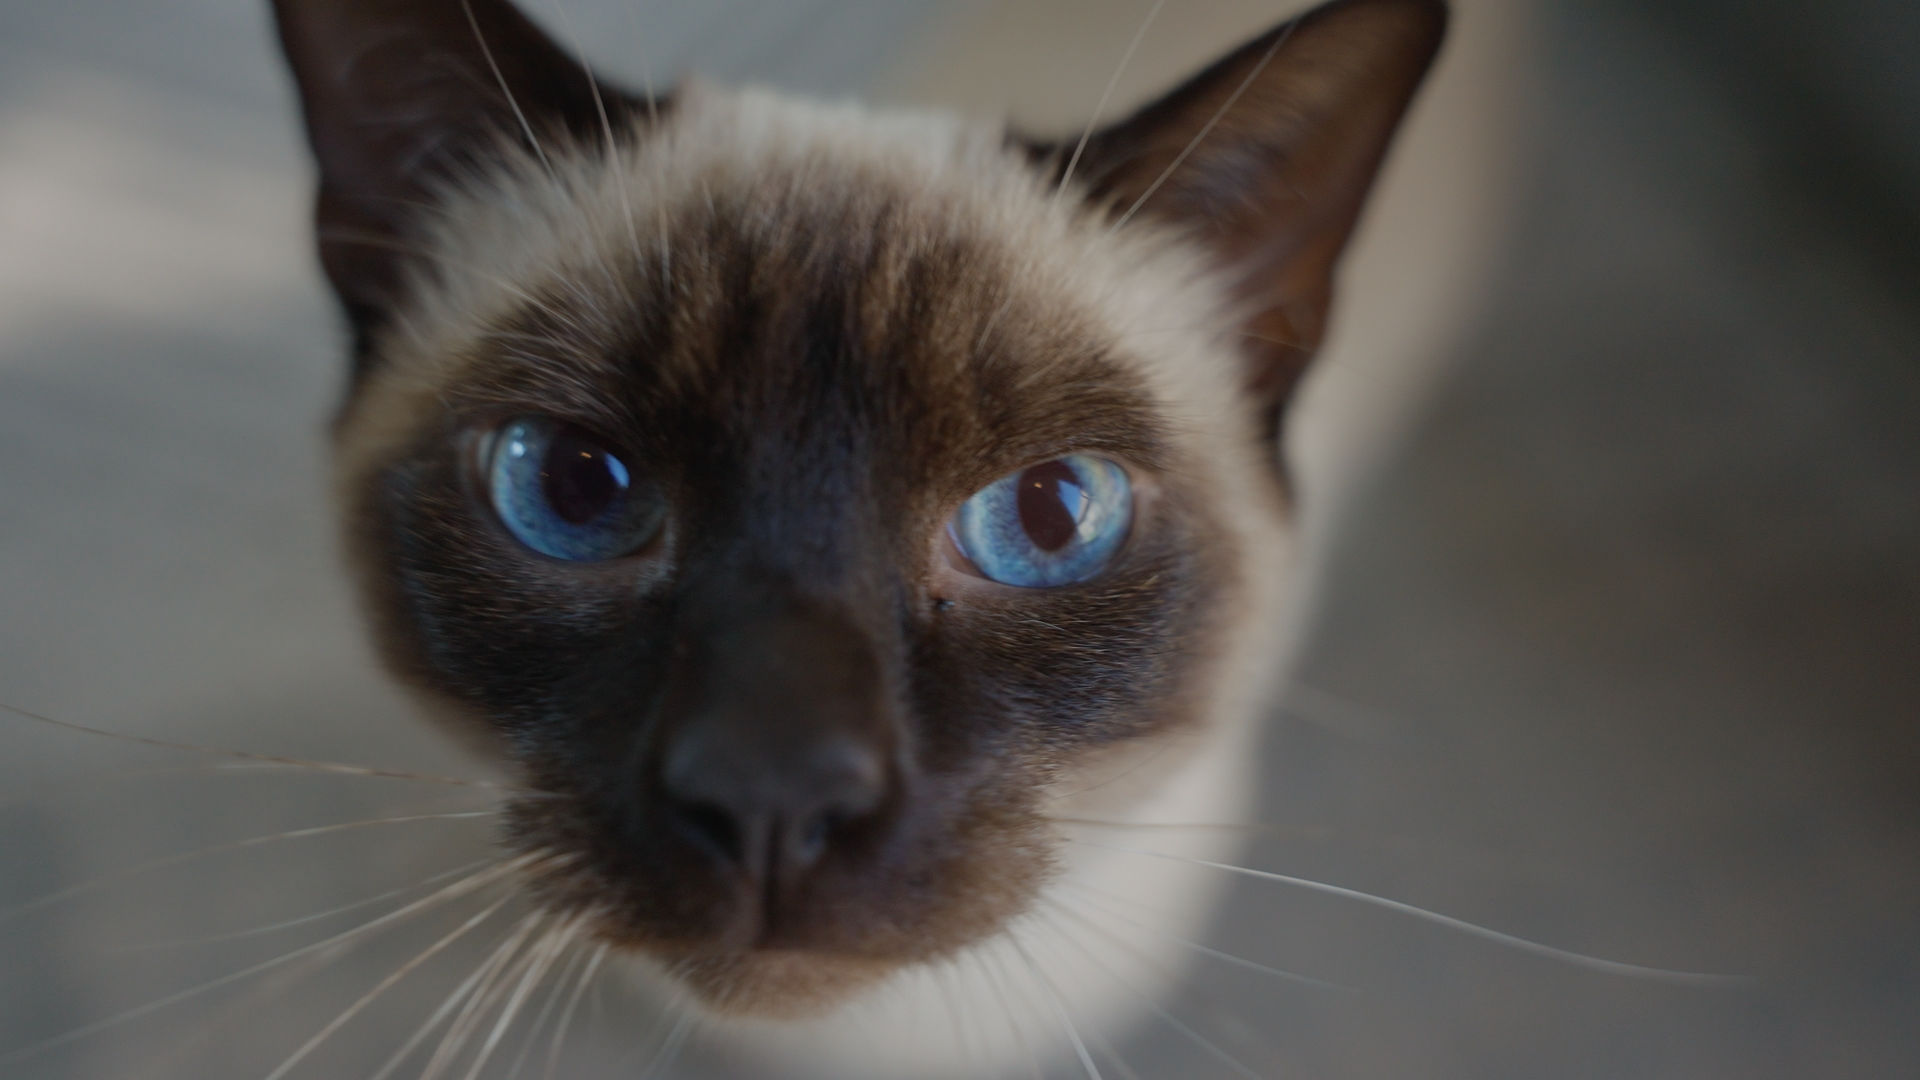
1055	523
563	493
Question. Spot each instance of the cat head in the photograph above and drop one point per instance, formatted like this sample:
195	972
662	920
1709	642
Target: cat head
811	505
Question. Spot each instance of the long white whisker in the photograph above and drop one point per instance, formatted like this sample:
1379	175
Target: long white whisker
244	755
426	1028
1219	114
606	123
1106	95
1171	1020
613	155
670	1046
239	845
501	78
1344	716
943	978
64	791
1352	837
993	321
994	973
288	924
1115	778
1498	937
1318	832
480	1001
346	1015
1204	950
573	1003
541	959
653	127
558	990
457	889
388	243
214	1022
1059	1007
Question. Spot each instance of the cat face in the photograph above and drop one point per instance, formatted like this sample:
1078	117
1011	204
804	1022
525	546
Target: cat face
809	506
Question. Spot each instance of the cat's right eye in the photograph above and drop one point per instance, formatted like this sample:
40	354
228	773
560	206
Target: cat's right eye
1055	523
559	491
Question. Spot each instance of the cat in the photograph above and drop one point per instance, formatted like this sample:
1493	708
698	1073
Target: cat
816	510
1525	614
953	447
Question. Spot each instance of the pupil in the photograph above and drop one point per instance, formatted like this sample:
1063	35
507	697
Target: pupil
581	479
1051	502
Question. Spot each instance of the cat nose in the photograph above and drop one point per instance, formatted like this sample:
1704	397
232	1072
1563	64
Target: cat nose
778	747
770	812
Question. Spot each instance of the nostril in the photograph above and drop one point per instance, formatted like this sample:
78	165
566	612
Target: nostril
769	809
814	834
712	827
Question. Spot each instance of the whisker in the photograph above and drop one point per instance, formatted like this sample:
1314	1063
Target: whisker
1219	114
943	978
1059	1007
238	845
993	321
257	931
501	78
1106	95
420	1034
994	973
653	125
1116	777
1343	716
1317	832
573	1003
558	990
1346	837
1171	1020
606	124
482	997
1498	937
110	784
213	1023
1205	950
346	1015
451	892
400	247
670	1046
1218	326
541	958
270	759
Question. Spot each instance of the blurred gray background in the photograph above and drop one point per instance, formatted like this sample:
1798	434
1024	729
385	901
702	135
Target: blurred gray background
1616	642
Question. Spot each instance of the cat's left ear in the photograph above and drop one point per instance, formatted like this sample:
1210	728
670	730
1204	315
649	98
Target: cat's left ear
1266	158
399	96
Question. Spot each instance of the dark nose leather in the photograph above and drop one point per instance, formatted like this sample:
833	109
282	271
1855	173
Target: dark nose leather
782	748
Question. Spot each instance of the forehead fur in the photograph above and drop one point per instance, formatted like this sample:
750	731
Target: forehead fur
577	234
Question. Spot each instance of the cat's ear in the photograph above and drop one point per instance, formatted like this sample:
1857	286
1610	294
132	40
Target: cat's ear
1266	158
397	96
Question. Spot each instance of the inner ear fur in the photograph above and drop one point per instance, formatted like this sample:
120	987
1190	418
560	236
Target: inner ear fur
397	96
1266	158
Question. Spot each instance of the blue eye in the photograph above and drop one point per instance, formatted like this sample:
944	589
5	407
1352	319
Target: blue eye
561	493
1054	523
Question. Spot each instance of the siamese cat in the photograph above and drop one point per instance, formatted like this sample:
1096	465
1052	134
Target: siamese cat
831	519
837	525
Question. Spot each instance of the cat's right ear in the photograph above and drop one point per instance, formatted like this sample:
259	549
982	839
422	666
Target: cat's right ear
398	96
1265	159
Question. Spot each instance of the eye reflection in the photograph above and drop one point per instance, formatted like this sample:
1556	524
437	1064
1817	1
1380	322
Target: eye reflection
561	492
1055	523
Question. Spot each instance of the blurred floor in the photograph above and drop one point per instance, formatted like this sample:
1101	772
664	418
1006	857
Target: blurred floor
1618	645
